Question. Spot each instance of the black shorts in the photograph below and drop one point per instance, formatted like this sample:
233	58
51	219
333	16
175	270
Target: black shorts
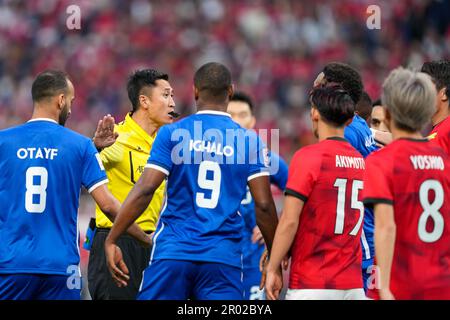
101	285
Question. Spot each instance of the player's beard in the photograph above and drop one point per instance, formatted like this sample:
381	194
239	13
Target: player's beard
63	115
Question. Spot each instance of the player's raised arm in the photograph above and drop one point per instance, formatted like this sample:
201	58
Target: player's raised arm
133	206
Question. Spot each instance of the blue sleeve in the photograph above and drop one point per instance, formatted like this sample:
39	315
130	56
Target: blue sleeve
350	136
160	155
93	170
258	156
278	171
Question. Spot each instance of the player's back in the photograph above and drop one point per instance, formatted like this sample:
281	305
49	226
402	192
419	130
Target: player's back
326	253
209	159
43	167
415	177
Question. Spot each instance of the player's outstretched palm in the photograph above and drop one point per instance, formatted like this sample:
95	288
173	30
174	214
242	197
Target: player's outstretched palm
105	135
116	265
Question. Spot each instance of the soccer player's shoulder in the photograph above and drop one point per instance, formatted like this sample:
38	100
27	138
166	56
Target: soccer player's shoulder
10	135
72	138
309	154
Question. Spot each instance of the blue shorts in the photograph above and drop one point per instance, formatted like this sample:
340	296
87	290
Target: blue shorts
252	279
182	280
38	287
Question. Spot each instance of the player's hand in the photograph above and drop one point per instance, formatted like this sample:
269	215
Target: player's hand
382	137
257	236
274	284
104	135
116	265
264	261
386	294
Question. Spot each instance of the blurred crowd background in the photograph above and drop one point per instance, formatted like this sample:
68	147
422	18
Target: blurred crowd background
274	48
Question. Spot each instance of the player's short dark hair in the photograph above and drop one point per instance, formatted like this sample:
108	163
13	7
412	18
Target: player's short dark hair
345	76
213	80
140	79
243	97
364	106
439	71
377	103
334	104
49	83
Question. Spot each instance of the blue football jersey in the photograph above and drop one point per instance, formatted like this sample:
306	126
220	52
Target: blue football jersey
360	137
43	166
209	160
278	170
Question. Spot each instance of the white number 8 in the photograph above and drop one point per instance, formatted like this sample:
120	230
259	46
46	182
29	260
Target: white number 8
213	185
431	210
36	189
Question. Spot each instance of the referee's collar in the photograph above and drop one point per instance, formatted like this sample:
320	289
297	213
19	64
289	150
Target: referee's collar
214	112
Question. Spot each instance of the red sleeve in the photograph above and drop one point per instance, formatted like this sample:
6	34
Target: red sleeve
377	180
303	172
440	135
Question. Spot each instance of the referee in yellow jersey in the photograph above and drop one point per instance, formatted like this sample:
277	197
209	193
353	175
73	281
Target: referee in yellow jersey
125	148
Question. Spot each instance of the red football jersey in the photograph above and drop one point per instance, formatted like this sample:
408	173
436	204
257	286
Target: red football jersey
414	176
441	135
326	253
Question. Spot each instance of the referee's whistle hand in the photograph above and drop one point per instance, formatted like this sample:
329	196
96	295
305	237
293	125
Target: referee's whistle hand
116	265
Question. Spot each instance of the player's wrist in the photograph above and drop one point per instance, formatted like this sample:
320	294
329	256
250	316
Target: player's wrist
99	149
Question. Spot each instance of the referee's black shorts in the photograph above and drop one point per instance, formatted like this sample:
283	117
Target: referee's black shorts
100	283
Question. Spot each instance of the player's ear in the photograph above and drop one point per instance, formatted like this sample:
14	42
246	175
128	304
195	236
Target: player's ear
442	94
143	102
195	93
314	114
61	101
230	91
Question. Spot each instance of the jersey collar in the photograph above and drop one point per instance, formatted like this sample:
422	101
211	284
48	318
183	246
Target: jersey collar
336	138
42	119
214	112
129	121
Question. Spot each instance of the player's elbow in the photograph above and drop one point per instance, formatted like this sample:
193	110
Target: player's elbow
263	206
109	209
110	206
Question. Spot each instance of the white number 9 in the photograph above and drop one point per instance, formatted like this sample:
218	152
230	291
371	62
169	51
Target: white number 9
213	185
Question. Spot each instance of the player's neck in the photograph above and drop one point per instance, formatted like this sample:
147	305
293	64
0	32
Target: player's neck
207	105
325	131
440	116
40	112
399	133
145	123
